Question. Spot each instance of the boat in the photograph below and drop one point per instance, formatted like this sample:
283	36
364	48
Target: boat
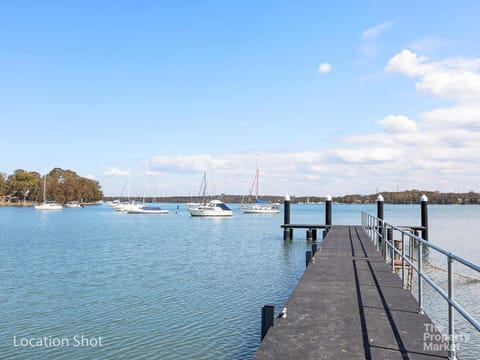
144	209
73	205
205	207
211	208
134	208
47	205
259	206
201	194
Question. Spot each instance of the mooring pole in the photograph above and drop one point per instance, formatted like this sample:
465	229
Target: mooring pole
424	220
328	213
267	319
380	202
287	233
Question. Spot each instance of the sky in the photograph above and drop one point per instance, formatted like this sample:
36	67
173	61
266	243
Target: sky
325	97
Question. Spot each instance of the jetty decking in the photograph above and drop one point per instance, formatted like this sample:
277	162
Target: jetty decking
349	305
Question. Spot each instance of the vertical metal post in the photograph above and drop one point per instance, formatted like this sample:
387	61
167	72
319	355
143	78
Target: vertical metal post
392	248
380	202
267	318
287	234
314	234
308	258
314	249
328	212
451	314
420	283
383	230
424	216
403	261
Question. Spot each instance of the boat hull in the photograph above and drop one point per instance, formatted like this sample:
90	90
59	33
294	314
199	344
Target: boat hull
48	207
200	212
261	211
214	208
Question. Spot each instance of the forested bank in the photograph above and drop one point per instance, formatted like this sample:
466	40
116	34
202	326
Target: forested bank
62	186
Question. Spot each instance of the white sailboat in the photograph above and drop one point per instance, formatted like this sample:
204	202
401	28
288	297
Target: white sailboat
134	208
47	205
259	206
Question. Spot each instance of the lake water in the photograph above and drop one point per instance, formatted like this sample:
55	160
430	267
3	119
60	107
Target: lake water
94	283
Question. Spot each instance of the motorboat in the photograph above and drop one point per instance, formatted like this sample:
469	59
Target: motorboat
73	205
211	208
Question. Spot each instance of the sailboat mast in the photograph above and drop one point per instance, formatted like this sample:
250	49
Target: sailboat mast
45	188
256	183
145	184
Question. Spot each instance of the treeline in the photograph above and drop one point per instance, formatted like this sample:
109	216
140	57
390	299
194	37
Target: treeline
62	186
412	197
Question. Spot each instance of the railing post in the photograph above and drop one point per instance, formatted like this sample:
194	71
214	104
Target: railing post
451	314
424	216
384	243
403	261
392	248
267	319
420	284
287	233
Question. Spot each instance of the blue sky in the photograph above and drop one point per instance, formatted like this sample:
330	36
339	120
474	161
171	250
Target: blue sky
331	97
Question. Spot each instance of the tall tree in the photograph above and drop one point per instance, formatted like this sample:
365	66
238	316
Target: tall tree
24	184
3	184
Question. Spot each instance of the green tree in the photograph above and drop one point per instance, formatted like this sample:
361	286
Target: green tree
67	185
3	184
23	184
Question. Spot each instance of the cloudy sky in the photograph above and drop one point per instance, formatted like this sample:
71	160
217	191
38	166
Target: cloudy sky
328	97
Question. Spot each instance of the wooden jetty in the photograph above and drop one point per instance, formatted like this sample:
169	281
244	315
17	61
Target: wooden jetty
349	305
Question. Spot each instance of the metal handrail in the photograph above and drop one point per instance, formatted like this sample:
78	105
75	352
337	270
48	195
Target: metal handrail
377	229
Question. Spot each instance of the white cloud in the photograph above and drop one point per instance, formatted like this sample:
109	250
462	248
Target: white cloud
114	171
454	79
90	176
398	124
324	68
376	31
437	149
370	40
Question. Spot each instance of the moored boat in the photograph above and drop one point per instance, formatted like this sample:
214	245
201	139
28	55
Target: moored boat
212	208
259	206
47	205
145	209
73	205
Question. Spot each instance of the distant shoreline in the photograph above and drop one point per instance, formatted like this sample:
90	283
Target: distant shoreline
400	197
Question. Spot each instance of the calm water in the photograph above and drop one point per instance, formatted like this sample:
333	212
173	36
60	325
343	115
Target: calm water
110	285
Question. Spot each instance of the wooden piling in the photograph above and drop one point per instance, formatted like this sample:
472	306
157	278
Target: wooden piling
287	233
308	257
328	210
267	318
424	216
380	203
